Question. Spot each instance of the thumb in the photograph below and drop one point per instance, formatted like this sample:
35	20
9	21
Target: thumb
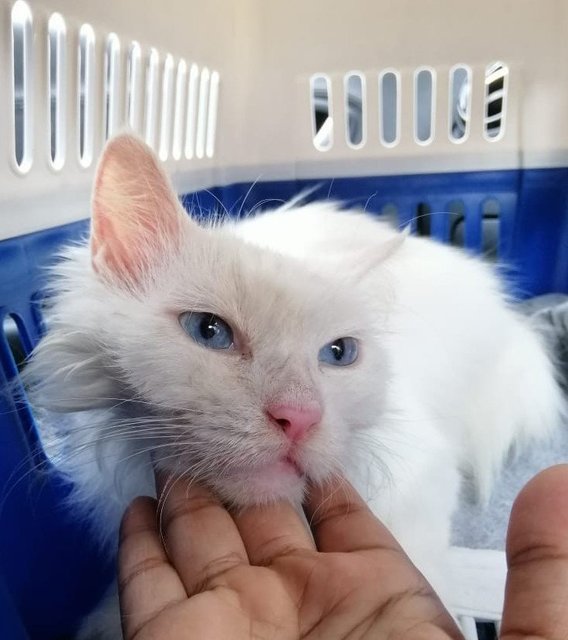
536	596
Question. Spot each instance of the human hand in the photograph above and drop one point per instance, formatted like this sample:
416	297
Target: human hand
259	574
536	595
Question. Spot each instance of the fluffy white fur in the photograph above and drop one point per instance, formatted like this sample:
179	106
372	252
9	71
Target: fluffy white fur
448	378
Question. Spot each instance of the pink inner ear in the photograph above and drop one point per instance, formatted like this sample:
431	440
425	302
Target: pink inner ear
136	218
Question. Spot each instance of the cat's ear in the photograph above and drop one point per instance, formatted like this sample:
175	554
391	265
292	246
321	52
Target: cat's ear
137	220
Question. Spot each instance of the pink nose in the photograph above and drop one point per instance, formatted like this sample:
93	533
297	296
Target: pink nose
293	420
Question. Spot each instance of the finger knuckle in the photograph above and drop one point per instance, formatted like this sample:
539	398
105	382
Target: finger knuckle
536	552
337	512
138	517
184	510
139	569
274	548
214	569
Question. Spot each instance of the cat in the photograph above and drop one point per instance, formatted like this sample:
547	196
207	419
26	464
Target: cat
253	354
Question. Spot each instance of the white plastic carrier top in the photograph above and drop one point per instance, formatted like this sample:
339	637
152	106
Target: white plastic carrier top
228	96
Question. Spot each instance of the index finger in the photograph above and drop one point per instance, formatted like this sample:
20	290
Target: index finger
200	536
537	554
341	520
147	583
271	531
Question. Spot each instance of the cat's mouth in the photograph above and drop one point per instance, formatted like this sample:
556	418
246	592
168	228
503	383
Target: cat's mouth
274	476
285	467
282	478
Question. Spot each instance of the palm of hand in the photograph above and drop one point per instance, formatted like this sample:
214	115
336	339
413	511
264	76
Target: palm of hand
261	575
263	583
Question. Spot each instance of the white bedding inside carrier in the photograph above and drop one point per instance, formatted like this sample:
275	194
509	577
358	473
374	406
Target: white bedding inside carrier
229	97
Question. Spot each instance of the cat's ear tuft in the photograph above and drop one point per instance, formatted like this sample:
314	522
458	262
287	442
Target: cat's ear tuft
137	220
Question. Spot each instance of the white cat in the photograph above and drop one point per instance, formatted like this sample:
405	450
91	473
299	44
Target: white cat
254	354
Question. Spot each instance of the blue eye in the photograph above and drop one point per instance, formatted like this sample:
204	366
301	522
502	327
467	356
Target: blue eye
340	352
207	329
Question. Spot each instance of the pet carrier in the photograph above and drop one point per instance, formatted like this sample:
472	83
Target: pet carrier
448	117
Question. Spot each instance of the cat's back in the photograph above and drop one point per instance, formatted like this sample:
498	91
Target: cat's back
453	339
321	234
313	230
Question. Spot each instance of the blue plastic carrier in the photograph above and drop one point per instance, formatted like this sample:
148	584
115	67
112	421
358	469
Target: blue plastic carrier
515	211
50	572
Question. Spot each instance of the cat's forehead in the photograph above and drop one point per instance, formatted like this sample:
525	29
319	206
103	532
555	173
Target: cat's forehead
261	290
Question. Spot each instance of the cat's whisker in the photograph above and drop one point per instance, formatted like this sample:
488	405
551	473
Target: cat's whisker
166	491
261	203
323	503
249	191
220	202
110	438
12	483
369	200
134	400
134	430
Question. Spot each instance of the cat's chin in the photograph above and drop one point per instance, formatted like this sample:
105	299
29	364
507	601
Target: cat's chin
281	480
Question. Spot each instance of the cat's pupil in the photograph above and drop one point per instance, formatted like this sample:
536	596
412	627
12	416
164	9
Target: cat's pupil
209	328
338	348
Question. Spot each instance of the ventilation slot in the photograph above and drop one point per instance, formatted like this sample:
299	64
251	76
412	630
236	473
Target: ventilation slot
460	103
490	228
112	62
456	224
86	80
424	92
57	89
179	109
15	346
354	109
151	107
322	120
212	115
166	109
15	341
478	629
423	219
22	65
202	113
486	630
496	85
191	122
134	86
389	108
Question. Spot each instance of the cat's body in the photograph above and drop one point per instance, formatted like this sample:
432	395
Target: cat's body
447	377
